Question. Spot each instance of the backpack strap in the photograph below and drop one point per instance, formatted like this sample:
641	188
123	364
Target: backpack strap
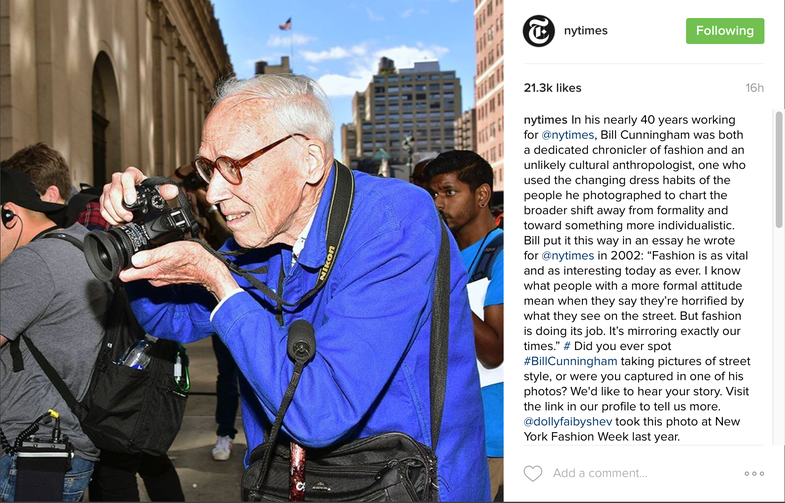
488	258
52	374
16	353
49	371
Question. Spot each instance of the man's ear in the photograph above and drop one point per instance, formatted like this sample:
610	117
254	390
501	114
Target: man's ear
51	195
316	158
483	195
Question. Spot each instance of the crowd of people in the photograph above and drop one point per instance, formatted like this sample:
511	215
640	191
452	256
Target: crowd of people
300	238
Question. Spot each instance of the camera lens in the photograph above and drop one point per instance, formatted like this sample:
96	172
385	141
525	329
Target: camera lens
107	253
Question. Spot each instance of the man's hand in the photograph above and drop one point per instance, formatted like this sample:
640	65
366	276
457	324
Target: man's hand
181	262
123	188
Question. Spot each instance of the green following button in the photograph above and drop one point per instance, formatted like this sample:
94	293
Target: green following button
725	30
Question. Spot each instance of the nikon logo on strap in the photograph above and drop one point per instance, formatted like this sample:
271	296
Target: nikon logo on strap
327	263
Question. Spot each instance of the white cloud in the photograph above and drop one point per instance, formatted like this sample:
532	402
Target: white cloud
276	40
405	56
365	65
341	85
373	16
407	13
333	53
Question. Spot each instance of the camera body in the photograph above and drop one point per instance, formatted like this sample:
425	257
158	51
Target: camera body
154	224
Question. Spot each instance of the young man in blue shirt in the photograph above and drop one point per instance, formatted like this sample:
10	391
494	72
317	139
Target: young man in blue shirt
267	154
462	184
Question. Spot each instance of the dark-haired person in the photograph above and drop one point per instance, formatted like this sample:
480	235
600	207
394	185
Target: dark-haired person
47	293
462	185
51	176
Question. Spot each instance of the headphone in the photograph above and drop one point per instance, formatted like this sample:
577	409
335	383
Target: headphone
8	216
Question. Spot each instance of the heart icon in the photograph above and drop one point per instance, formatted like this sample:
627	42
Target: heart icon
532	472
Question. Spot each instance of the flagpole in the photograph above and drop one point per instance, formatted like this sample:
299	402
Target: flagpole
291	49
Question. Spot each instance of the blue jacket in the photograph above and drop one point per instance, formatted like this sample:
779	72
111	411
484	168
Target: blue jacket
372	321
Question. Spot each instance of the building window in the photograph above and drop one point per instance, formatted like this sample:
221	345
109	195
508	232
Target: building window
406	78
435	76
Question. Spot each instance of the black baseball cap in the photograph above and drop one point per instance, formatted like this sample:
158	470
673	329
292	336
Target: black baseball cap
16	187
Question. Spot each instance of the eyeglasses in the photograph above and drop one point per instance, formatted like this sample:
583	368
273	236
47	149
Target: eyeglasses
230	168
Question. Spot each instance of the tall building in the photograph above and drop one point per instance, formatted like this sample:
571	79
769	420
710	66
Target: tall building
109	83
466	131
419	102
262	67
489	85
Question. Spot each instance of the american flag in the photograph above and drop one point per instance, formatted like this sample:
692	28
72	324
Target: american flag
287	25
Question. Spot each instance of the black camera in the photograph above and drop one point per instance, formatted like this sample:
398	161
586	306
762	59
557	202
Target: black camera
154	224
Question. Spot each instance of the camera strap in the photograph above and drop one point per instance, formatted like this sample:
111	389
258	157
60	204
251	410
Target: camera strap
337	222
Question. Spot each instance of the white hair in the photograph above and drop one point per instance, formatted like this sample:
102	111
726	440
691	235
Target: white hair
301	104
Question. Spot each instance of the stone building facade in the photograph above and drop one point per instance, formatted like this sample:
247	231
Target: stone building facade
489	85
109	83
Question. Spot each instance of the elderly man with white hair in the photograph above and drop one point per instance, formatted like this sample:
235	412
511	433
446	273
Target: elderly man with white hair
267	155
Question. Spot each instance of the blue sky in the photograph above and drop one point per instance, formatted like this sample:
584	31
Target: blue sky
340	43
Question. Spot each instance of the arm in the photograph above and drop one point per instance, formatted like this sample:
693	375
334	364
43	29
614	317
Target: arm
489	336
375	305
180	312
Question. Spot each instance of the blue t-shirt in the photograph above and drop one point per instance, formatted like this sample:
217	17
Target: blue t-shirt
493	395
372	321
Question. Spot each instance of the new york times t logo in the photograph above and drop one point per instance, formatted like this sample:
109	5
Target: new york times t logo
538	31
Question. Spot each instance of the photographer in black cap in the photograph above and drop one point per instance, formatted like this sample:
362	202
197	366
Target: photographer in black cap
48	294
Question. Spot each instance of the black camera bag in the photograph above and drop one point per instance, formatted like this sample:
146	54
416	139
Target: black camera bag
125	409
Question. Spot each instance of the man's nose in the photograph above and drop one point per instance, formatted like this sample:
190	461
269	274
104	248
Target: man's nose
218	189
439	202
